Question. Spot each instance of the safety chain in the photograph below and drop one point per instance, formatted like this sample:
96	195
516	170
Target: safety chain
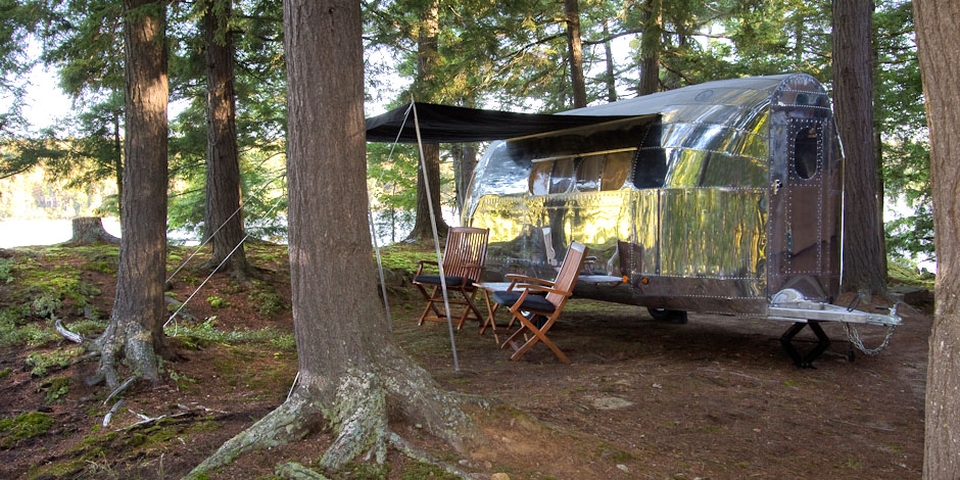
854	337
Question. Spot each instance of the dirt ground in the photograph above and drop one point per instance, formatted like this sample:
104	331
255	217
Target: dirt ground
714	398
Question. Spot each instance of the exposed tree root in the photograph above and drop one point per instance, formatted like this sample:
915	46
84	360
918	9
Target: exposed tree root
359	417
291	421
296	471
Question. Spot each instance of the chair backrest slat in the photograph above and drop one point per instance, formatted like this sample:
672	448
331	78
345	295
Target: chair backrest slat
465	252
569	271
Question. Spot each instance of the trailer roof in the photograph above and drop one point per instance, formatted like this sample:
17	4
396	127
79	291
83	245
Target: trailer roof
449	124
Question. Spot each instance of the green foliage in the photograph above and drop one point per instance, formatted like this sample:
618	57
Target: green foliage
6	269
47	305
56	389
904	272
217	302
41	362
266	300
23	426
15	331
901	121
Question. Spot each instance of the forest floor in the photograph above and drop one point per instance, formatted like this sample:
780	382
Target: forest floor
714	398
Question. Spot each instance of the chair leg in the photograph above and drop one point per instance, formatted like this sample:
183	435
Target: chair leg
471	307
539	335
436	312
431	299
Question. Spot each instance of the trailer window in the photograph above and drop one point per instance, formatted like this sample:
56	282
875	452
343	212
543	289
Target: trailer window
651	168
561	179
806	153
616	169
588	173
540	178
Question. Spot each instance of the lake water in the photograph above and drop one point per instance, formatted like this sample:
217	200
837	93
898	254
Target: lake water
21	233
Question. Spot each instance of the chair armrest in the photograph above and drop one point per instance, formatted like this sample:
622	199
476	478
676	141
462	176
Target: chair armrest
516	279
543	288
421	263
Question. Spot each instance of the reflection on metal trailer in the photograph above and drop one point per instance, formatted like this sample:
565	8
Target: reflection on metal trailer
723	197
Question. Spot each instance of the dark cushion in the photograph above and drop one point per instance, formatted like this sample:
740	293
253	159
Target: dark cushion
536	303
435	280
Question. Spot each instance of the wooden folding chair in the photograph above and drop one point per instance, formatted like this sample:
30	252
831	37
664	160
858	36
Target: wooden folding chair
463	257
537	312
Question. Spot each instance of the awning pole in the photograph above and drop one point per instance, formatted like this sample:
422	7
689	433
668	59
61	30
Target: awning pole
436	236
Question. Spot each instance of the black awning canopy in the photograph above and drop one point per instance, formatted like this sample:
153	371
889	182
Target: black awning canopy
447	124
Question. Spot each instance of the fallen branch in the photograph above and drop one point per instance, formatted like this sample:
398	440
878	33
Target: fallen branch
113	410
73	337
123	386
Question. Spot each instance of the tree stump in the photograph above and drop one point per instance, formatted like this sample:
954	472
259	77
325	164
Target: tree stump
89	231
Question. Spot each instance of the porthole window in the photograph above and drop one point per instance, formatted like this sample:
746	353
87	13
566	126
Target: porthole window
806	153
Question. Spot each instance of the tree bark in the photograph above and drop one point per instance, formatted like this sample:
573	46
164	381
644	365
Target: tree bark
610	78
422	228
575	50
650	46
464	164
89	231
223	222
136	323
428	52
939	50
350	371
864	255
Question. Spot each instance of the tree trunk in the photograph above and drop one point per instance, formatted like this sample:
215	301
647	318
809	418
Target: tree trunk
466	155
422	228
136	323
428	52
223	222
118	153
575	49
939	50
611	77
89	231
650	46
864	257
349	368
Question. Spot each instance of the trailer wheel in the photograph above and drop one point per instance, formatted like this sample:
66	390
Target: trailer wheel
663	315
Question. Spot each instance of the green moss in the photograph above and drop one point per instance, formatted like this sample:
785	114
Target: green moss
89	327
5	373
421	470
217	302
24	426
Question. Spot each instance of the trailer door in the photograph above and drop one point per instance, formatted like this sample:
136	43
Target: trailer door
805	196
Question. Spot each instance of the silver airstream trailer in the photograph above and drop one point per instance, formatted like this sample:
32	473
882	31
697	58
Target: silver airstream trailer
723	197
